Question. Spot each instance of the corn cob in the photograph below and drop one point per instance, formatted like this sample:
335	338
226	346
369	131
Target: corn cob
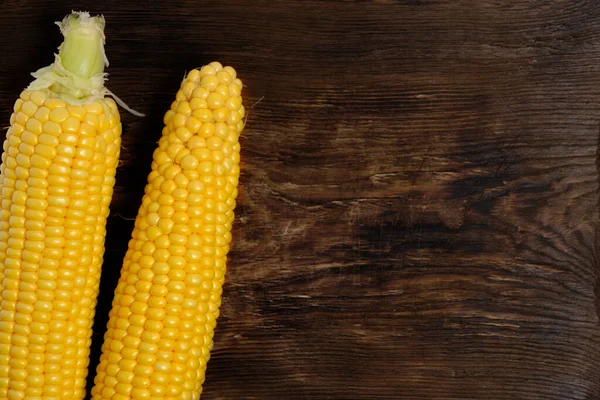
168	296
56	180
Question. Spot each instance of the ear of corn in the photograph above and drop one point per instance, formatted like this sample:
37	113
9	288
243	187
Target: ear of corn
56	182
161	326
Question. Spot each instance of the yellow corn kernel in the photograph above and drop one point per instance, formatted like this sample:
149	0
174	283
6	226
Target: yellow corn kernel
58	114
200	93
70	125
52	128
221	114
34	126
76	111
224	77
177	255
42	114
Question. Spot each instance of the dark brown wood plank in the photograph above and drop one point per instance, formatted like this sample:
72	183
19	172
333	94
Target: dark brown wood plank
418	207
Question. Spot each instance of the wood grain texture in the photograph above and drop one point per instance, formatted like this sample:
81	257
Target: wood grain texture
418	210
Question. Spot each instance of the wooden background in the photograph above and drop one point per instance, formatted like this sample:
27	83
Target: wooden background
418	209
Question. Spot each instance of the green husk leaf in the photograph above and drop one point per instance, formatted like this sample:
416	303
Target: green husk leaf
77	73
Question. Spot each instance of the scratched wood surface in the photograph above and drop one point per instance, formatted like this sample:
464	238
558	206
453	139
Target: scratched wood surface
418	207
